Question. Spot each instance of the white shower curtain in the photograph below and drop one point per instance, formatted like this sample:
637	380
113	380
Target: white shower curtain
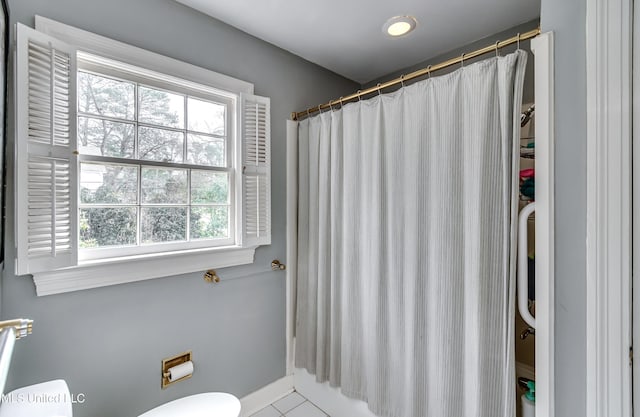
406	224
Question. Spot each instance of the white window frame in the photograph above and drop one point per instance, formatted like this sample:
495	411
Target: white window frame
140	76
103	272
122	52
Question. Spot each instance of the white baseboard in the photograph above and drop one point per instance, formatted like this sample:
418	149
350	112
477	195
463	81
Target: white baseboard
261	398
328	398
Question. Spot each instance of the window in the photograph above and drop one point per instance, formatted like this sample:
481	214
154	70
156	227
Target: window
119	164
156	163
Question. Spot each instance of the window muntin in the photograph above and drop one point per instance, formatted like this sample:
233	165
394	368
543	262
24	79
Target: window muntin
156	165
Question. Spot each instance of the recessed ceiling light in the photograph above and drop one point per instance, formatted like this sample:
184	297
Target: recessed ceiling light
399	25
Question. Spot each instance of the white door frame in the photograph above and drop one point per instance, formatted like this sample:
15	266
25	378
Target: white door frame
635	304
608	304
542	47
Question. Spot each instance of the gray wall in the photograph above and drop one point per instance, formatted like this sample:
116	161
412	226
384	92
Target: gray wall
528	93
108	342
567	19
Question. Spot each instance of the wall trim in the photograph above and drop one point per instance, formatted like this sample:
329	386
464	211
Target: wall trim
635	305
542	47
266	395
292	240
608	246
138	268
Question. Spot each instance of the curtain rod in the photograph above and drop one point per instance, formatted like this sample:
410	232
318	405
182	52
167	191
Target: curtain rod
424	71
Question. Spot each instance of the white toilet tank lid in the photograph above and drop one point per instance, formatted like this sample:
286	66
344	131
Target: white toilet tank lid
209	404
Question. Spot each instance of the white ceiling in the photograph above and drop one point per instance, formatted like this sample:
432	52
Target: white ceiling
346	36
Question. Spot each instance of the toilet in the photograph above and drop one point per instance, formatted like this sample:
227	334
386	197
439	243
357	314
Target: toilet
208	404
51	398
56	400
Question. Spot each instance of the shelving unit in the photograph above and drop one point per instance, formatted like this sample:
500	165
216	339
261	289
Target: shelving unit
525	346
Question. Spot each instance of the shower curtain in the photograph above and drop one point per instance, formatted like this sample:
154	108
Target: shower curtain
406	227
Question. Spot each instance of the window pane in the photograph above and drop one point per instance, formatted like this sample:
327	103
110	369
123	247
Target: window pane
105	96
108	184
205	116
206	150
160	107
160	145
102	137
209	187
209	222
107	227
164	186
163	224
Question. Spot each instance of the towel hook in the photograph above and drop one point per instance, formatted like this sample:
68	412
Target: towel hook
378	85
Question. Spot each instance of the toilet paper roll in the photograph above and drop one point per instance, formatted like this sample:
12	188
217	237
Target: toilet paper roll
180	371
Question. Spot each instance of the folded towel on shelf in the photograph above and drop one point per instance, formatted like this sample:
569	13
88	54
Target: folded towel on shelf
527	173
526	152
527	187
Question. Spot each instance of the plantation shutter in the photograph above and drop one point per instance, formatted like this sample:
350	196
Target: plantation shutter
256	170
46	168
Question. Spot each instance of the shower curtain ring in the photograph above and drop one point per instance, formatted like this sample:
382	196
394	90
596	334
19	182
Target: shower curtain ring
378	85
320	108
518	41
429	70
341	102
308	113
359	97
462	61
402	80
331	106
497	48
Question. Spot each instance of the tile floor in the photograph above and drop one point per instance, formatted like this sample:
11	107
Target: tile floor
293	405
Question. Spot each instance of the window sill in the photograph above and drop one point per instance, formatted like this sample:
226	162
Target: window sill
94	274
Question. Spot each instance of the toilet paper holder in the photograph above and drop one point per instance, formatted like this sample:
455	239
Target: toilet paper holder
169	363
